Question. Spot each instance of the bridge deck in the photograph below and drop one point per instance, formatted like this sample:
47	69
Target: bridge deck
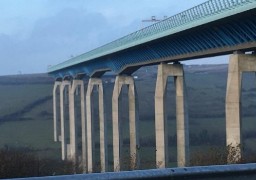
138	48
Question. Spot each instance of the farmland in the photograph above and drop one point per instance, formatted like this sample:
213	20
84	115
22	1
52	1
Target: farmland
26	112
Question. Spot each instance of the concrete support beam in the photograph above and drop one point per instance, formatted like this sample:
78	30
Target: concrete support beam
133	123
56	111
65	84
176	70
182	122
238	63
84	130
134	126
90	129
72	117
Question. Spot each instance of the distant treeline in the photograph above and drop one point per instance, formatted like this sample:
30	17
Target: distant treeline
26	79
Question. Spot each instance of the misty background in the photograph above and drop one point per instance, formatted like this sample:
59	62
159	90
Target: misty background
37	33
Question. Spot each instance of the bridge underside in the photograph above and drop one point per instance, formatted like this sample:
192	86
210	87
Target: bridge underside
235	33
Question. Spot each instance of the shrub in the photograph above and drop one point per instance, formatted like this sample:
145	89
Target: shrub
17	163
212	156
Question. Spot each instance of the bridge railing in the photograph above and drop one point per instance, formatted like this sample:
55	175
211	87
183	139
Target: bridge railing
225	172
206	9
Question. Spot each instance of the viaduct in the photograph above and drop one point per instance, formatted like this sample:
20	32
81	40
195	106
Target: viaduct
216	27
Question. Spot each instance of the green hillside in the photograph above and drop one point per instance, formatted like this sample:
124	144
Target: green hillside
26	111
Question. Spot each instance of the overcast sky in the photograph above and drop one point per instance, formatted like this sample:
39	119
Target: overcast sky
38	33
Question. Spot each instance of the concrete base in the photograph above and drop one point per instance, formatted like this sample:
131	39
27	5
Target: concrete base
133	123
176	70
72	117
68	152
63	100
238	63
90	129
56	111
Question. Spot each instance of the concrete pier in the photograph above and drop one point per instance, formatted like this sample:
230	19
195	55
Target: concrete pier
84	132
65	85
72	116
56	111
133	123
238	64
90	129
175	70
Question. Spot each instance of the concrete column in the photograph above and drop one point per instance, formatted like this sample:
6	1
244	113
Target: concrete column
72	117
90	129
56	111
160	119
84	129
63	118
133	121
182	123
238	63
103	131
117	132
176	70
134	125
68	152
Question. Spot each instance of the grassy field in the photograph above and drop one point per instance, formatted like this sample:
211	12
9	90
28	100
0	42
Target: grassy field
15	97
26	112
